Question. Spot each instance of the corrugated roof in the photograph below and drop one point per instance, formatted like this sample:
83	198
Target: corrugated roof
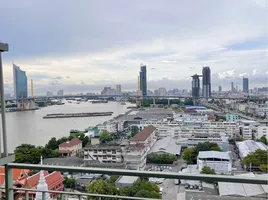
249	146
166	145
241	189
214	154
144	134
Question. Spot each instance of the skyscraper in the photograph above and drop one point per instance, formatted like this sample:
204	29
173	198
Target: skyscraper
206	82
20	83
143	80
195	86
245	85
232	87
220	89
118	90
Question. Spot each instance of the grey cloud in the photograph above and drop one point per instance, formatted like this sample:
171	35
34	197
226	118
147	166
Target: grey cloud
58	77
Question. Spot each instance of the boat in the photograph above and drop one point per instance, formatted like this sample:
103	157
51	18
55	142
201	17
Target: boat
123	103
100	101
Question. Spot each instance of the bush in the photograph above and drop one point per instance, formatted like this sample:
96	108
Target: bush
164	158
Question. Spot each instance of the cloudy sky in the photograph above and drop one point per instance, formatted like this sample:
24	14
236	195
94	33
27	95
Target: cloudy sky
81	46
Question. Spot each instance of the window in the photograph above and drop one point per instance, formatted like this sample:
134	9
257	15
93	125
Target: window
104	157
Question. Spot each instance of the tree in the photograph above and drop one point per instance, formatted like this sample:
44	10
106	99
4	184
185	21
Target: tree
105	137
52	144
113	179
207	146
163	158
264	168
259	157
263	139
190	155
27	153
69	182
207	170
101	187
134	130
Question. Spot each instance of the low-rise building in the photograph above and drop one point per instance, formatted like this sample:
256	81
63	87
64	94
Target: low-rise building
103	153
249	146
135	152
262	131
221	162
232	117
126	181
69	148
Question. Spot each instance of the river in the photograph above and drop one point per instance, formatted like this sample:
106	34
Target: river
30	127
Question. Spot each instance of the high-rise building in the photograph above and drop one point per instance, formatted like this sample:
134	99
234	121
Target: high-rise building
206	82
20	83
232	87
60	93
220	89
195	86
162	92
118	90
245	85
143	80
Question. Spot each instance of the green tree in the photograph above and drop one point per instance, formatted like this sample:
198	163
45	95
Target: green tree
113	179
27	153
52	144
134	130
207	170
101	187
207	146
257	158
263	139
190	155
163	158
264	168
105	137
69	182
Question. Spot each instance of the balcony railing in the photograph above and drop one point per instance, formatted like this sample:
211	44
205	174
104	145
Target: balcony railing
9	188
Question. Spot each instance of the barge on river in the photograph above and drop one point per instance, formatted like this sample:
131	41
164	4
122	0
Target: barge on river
70	115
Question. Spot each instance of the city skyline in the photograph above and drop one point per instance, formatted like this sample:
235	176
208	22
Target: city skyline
228	36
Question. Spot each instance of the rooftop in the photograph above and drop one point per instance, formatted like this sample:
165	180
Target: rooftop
71	143
103	146
67	161
144	134
127	179
166	145
214	154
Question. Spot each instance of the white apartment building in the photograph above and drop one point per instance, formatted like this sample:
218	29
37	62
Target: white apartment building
111	127
221	162
103	153
190	117
261	111
138	148
262	131
246	132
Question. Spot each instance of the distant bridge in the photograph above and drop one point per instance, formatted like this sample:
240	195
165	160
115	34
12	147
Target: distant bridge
100	96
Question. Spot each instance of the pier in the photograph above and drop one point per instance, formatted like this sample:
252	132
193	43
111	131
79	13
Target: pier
70	115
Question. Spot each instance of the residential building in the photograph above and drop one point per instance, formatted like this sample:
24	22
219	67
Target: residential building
232	117
20	83
245	85
60	93
162	92
246	132
195	86
118	90
262	131
136	151
103	153
206	82
69	148
221	162
143	80
111	127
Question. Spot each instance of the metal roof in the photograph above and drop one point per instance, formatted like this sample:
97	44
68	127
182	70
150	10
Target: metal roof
249	146
214	154
241	189
166	145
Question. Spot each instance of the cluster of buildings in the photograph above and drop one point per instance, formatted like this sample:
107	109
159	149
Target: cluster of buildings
111	91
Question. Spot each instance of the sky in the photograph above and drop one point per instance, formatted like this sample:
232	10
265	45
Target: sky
82	46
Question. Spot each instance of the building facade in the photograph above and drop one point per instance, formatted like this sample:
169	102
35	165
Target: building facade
70	147
118	90
245	85
20	83
143	80
206	82
195	86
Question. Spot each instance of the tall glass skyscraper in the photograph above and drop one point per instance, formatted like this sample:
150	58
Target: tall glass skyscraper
206	82
143	80
245	85
20	83
195	86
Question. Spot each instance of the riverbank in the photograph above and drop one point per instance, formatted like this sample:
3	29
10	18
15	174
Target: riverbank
70	115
